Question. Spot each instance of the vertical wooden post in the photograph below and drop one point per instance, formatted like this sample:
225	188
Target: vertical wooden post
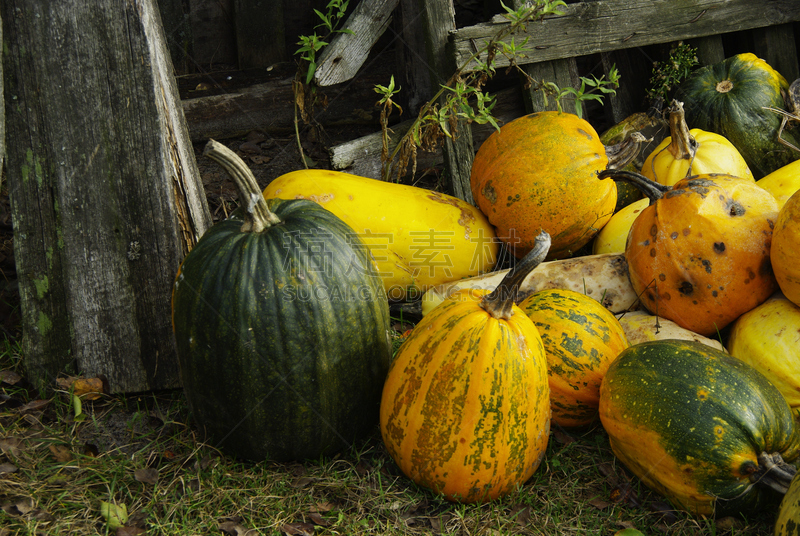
105	191
564	73
438	18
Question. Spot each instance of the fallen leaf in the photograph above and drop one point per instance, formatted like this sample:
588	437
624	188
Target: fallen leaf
232	528
303	482
727	523
33	405
19	508
10	377
61	453
599	503
8	468
521	514
115	515
298	529
147	475
10	446
130	531
260	159
317	519
562	437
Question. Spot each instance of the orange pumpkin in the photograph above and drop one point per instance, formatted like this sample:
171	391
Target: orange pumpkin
785	254
465	410
539	172
581	338
699	255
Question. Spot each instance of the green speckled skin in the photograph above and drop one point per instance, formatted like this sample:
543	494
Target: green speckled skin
690	422
282	336
737	114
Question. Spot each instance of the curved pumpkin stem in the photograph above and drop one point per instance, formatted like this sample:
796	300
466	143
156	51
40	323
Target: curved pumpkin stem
623	153
257	215
773	472
683	146
500	302
653	190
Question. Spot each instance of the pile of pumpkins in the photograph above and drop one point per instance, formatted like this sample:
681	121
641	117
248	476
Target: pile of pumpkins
680	333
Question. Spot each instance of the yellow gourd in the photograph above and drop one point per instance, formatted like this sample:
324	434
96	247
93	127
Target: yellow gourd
692	152
614	235
783	182
419	238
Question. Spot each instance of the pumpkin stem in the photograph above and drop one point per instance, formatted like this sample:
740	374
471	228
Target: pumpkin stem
257	216
624	152
500	302
653	190
773	472
682	145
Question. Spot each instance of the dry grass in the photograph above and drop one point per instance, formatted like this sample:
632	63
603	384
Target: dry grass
142	452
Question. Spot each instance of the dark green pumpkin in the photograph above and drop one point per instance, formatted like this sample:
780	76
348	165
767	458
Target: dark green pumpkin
729	97
282	334
698	426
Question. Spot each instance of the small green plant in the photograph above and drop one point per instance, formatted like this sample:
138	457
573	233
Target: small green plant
462	98
667	75
311	45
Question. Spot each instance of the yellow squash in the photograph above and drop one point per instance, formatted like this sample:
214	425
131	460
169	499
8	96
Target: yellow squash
692	152
418	237
782	182
768	339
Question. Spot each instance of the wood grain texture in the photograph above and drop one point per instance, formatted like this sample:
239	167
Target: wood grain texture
106	195
604	25
341	60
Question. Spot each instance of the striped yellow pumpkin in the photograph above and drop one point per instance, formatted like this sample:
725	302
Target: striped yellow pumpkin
581	338
465	410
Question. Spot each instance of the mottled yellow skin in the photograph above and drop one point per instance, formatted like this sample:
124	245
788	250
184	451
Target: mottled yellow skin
768	339
419	238
785	253
700	255
788	522
539	172
465	410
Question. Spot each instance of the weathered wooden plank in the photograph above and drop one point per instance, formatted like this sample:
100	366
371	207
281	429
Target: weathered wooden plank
438	19
605	25
107	197
346	53
562	72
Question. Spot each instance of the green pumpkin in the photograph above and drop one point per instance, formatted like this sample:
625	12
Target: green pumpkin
702	428
282	329
729	98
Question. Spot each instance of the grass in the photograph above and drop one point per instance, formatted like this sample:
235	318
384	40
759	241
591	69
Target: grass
142	452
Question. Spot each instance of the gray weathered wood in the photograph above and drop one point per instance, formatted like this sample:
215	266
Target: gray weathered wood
438	20
106	195
604	25
562	72
346	53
